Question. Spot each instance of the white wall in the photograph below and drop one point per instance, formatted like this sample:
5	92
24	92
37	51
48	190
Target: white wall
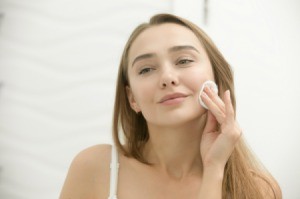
58	64
261	40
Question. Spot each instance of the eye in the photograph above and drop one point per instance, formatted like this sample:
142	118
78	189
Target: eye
184	61
145	70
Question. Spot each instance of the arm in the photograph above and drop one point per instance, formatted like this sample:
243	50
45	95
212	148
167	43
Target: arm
211	187
219	137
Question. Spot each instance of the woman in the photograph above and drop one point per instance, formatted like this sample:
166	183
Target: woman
173	147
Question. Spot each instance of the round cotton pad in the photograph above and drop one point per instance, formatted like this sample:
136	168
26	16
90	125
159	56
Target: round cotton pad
212	85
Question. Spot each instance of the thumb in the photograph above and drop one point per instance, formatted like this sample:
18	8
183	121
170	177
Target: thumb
211	123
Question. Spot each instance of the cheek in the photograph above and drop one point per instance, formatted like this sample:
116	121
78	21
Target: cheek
196	78
142	92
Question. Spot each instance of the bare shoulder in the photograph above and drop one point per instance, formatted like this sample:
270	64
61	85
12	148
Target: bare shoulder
268	186
93	157
88	175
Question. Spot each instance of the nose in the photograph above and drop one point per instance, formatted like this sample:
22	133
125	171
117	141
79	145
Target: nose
169	78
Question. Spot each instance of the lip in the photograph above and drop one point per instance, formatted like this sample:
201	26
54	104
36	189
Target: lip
174	97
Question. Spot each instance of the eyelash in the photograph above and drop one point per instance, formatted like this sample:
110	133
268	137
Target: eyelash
186	61
145	70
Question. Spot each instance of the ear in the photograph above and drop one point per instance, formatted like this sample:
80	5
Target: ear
131	100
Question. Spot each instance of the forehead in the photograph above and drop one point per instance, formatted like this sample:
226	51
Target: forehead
161	37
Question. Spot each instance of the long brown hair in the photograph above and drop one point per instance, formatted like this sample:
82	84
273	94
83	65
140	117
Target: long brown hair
241	169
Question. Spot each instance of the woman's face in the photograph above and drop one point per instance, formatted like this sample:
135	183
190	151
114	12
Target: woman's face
166	68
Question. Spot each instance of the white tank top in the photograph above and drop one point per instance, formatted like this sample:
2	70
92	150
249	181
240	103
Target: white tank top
114	168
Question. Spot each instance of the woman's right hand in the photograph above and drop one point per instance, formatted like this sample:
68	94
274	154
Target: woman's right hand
217	144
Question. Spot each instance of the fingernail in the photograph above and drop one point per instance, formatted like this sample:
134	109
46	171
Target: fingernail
207	89
204	94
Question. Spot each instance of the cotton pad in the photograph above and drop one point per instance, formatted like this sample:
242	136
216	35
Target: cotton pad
213	86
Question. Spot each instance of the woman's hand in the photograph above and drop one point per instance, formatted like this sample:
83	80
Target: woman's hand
217	144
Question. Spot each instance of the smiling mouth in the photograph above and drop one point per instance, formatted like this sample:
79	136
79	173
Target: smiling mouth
172	99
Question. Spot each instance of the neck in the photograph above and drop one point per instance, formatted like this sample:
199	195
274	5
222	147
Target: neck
175	150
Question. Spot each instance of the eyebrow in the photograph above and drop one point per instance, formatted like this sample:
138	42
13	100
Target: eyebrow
186	47
172	49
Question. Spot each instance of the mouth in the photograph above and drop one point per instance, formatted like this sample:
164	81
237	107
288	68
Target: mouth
171	98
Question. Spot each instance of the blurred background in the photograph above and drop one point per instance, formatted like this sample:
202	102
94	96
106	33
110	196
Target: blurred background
58	67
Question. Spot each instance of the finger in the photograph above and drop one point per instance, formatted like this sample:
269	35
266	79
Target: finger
229	110
234	132
215	98
214	108
211	123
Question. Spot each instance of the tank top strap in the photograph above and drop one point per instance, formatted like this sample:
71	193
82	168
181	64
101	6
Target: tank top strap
114	169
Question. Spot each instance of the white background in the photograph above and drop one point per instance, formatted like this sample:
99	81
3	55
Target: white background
58	65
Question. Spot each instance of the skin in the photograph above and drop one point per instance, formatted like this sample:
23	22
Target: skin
175	128
186	163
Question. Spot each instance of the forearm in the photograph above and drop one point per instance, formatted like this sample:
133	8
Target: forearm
211	186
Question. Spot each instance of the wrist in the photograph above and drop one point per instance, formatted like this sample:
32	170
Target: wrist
212	180
213	173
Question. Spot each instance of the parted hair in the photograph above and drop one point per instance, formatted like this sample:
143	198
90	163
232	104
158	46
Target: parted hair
243	172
